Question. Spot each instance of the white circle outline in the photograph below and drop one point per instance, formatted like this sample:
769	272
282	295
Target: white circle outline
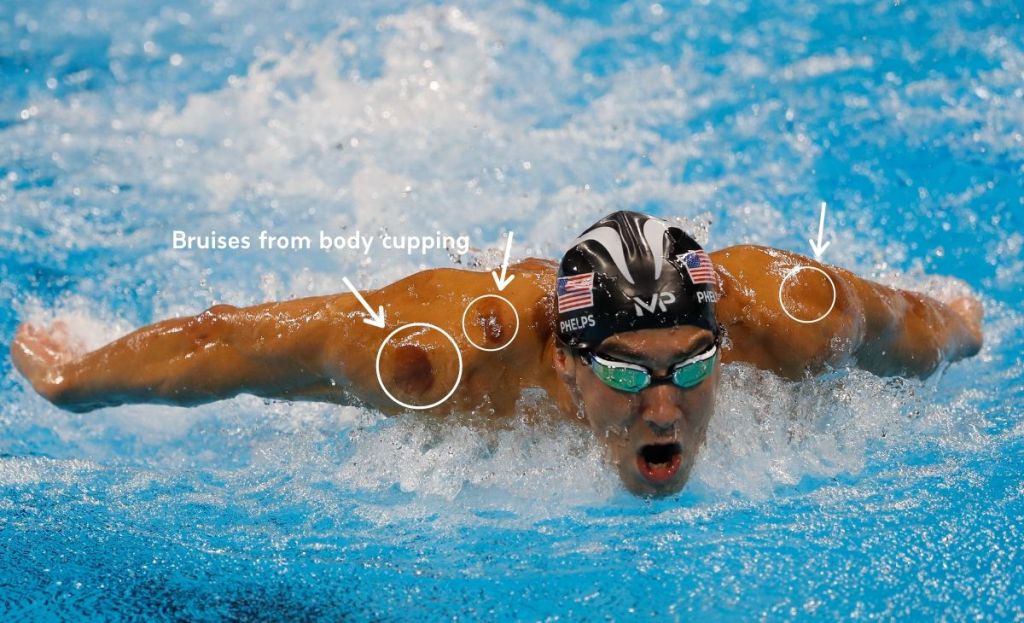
492	296
794	271
458	355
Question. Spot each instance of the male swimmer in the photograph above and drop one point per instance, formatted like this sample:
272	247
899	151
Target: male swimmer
627	334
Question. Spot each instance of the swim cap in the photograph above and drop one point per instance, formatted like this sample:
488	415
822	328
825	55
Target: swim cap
630	271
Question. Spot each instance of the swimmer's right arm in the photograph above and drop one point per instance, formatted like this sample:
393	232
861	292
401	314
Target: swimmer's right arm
314	348
270	350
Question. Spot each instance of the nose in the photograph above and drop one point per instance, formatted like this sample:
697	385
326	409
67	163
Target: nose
660	410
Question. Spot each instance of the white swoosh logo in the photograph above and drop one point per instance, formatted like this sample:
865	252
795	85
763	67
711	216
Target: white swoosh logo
608	238
654	233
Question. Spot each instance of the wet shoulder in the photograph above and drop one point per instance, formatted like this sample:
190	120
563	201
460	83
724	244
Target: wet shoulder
785	312
499	336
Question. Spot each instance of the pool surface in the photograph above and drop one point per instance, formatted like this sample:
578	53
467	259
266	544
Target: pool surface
845	497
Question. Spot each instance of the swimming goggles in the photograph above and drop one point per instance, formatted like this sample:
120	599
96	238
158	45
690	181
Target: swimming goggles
632	377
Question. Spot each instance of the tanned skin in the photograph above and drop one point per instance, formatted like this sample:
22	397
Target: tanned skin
319	348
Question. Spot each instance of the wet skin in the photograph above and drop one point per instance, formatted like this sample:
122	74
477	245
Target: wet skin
659	415
318	348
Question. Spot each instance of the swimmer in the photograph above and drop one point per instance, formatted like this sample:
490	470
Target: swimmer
626	335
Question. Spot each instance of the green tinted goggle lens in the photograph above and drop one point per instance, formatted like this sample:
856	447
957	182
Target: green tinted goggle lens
629	377
625	379
691	374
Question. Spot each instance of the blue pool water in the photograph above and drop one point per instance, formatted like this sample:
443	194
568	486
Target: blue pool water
849	496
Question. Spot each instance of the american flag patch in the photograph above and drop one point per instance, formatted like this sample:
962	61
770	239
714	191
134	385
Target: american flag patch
699	267
575	292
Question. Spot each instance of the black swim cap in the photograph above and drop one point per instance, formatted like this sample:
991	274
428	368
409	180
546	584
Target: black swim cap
630	271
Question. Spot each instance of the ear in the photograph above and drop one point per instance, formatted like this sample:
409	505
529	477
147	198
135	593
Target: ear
565	364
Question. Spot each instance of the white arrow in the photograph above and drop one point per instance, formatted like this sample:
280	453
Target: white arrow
502	281
818	247
376	318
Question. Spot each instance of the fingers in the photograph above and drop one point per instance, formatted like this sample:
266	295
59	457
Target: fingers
38	354
54	344
36	350
37	343
28	356
972	312
970	309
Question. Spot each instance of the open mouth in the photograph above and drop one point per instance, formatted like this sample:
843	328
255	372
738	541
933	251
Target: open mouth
659	462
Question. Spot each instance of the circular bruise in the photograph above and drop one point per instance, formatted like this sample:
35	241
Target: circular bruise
793	271
380	351
514	313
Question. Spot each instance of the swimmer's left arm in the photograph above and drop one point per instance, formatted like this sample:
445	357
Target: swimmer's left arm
884	330
910	334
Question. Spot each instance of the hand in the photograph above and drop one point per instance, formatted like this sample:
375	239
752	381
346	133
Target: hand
39	353
970	311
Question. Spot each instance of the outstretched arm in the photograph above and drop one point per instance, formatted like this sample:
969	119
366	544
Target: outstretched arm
315	348
884	330
268	350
